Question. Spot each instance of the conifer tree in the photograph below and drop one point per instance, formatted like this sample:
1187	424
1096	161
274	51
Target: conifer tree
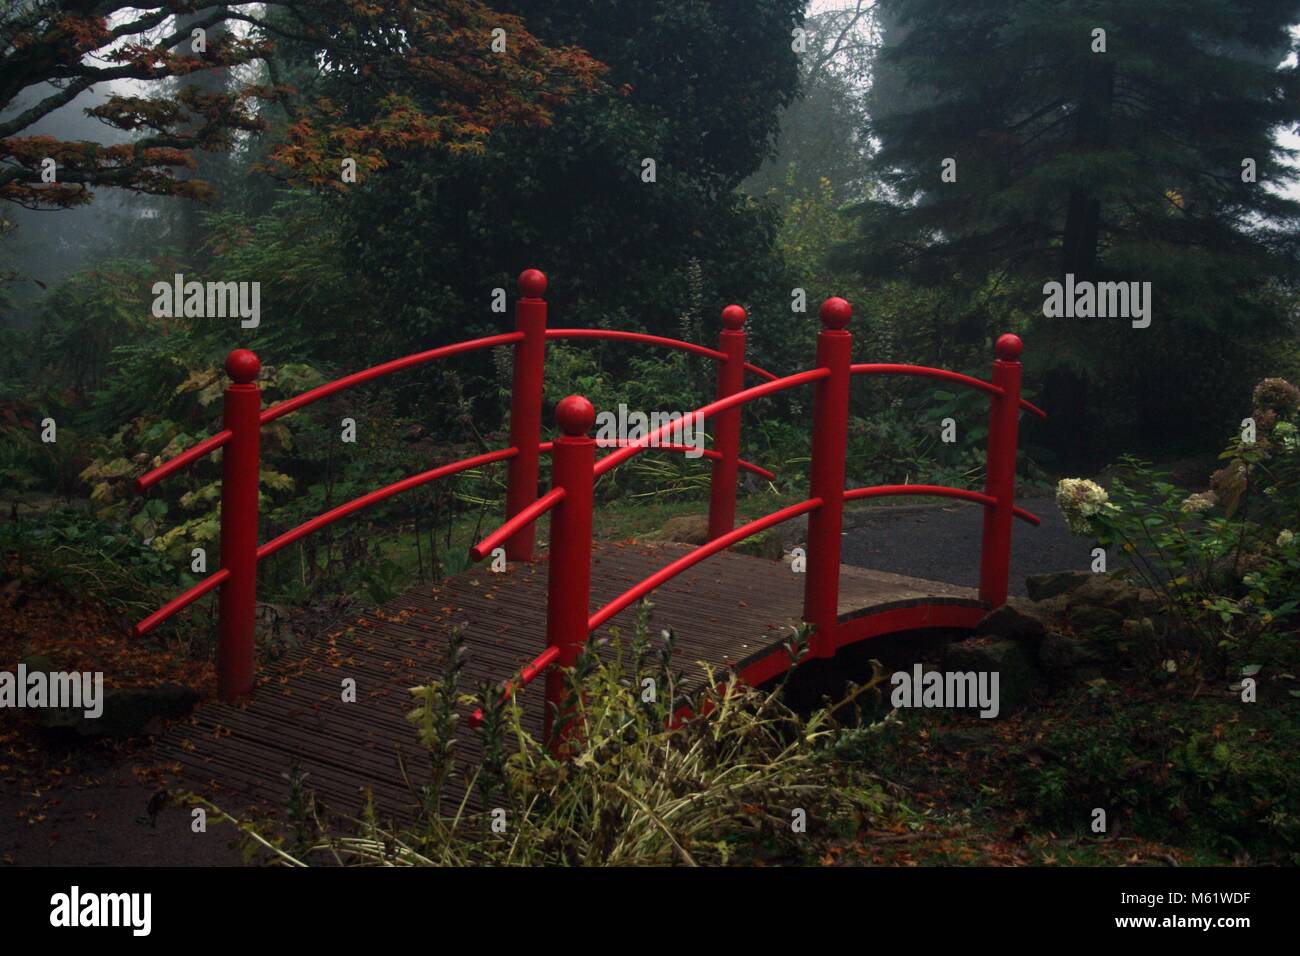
1023	140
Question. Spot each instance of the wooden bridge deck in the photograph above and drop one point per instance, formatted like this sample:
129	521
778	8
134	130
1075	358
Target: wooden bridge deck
730	611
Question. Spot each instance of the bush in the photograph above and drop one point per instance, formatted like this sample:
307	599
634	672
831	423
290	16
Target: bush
1227	560
1183	770
639	788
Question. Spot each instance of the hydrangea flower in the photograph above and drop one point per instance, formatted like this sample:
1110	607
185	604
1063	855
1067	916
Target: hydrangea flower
1285	538
1277	394
1081	501
1199	502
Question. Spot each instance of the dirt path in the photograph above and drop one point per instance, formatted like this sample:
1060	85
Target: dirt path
100	816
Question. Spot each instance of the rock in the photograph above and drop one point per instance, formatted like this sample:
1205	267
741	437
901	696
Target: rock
1108	591
127	712
1016	620
688	529
1044	586
1016	676
793	532
1064	659
1090	617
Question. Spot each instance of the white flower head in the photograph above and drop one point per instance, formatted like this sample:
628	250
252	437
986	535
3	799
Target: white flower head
1081	501
1203	501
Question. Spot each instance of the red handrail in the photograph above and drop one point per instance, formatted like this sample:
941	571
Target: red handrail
512	525
938	491
660	340
709	453
704	411
374	497
193	453
924	371
387	368
526	677
552	653
181	601
692	558
209	445
184	600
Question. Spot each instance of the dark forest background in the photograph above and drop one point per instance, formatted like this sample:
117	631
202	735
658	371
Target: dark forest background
794	149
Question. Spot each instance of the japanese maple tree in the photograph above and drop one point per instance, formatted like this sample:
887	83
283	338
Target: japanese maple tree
438	77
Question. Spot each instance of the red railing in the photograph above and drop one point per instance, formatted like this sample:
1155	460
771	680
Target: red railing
240	438
568	623
569	619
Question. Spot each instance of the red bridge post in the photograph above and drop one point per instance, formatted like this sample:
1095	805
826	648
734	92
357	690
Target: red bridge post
829	440
240	466
1000	472
526	409
726	425
568	596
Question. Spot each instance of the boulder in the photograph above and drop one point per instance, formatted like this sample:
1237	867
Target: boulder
1015	620
688	529
1043	586
127	712
1016	676
1108	591
1092	617
1064	659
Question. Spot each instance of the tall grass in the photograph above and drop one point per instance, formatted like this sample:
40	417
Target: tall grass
742	778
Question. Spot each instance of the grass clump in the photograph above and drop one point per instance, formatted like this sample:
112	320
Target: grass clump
655	775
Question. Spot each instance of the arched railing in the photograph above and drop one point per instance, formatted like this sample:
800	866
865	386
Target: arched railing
240	440
569	621
575	469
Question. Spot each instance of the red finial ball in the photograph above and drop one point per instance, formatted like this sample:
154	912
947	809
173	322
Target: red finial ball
574	415
733	318
835	313
1008	347
532	283
242	365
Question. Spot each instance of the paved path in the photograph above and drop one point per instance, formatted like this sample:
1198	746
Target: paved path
943	543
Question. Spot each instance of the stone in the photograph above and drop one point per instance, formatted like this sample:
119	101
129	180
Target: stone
1108	591
1016	620
1090	617
1064	659
1043	586
128	712
688	529
1016	676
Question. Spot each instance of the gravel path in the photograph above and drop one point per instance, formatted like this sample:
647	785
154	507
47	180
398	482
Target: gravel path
943	543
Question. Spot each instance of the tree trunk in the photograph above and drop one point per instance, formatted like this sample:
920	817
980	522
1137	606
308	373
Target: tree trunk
1091	132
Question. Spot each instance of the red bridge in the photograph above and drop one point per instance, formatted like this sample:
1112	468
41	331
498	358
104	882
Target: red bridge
564	618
